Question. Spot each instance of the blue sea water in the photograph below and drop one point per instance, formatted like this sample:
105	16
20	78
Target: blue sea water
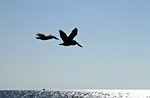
74	93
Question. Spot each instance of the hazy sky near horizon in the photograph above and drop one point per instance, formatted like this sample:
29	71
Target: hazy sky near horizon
115	35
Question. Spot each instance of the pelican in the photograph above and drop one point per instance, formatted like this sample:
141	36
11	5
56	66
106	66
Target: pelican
43	37
69	40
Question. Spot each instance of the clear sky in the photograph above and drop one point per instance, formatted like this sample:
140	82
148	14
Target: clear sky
115	35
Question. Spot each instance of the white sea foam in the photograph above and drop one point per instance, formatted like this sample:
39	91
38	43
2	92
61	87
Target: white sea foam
74	93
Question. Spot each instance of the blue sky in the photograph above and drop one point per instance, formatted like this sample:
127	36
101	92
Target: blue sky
114	35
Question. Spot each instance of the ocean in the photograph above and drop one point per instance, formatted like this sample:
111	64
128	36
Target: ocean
74	93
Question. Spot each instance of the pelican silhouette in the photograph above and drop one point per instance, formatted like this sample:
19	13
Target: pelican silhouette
43	37
69	40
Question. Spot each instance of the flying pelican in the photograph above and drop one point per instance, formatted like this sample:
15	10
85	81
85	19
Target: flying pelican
69	40
43	37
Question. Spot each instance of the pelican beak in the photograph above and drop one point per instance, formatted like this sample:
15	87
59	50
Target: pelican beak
78	44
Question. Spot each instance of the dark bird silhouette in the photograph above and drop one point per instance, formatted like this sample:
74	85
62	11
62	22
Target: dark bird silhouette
69	40
43	37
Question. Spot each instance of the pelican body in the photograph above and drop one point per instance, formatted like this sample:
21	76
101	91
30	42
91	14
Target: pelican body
43	37
67	41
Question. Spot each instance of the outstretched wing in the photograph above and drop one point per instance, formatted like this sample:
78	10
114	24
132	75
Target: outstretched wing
40	34
63	35
73	34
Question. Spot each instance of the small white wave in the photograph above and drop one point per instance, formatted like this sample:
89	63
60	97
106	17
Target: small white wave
74	93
